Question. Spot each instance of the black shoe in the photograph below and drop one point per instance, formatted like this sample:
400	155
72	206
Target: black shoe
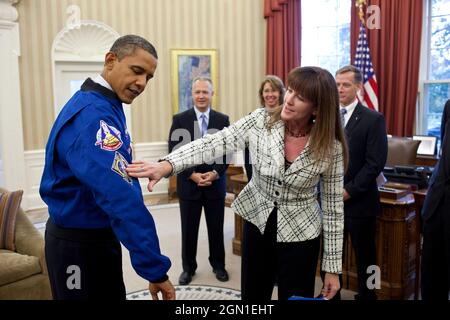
185	278
221	274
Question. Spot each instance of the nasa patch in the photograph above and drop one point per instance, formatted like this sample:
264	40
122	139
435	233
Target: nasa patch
108	137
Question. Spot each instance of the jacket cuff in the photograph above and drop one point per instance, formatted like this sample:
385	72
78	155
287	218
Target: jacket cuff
171	172
160	280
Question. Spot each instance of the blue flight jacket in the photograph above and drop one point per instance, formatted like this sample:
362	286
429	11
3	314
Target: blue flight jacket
85	184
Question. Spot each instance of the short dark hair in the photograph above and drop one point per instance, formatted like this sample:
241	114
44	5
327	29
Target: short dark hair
127	45
358	77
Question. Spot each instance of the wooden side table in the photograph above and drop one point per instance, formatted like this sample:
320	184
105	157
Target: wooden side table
239	181
396	243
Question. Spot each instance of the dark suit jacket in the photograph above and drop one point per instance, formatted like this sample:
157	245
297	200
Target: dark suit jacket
367	142
184	130
439	185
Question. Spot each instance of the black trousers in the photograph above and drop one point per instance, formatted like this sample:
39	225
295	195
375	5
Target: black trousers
84	264
191	211
435	271
264	260
362	232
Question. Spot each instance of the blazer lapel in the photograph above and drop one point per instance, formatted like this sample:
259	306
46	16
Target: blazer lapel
277	144
303	160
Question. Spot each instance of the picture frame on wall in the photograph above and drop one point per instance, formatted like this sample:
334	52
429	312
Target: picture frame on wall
187	64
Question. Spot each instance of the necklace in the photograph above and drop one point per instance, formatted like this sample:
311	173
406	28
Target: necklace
298	134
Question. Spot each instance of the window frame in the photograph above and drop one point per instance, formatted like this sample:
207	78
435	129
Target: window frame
336	27
424	73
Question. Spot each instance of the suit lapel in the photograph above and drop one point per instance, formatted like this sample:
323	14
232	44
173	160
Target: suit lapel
212	119
191	122
354	119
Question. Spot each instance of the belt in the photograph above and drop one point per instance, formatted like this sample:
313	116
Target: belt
82	235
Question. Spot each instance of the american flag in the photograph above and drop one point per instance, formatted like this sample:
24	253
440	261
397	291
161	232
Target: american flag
369	96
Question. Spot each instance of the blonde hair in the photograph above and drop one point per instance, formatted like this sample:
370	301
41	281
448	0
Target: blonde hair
318	86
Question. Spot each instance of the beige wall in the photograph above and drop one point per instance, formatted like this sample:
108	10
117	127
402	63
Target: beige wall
235	28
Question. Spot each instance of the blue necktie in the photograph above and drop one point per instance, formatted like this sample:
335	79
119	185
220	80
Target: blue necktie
343	112
204	124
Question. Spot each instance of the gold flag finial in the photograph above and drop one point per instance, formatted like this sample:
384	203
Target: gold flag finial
360	5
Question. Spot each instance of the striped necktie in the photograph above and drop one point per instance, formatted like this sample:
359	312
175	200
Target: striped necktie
204	124
343	112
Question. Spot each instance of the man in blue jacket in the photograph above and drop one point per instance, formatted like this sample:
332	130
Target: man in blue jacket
92	202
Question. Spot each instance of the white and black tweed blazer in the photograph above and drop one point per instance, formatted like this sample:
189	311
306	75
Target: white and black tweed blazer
293	190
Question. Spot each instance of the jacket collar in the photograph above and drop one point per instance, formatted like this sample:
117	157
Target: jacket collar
90	85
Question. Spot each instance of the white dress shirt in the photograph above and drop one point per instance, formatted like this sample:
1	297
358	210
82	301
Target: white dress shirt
350	108
101	81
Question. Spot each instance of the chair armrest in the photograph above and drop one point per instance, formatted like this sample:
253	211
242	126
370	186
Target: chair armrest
28	240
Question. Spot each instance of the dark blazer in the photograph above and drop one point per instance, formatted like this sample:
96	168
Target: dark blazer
439	185
367	142
187	122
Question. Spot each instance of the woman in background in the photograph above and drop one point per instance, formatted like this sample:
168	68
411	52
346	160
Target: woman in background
271	94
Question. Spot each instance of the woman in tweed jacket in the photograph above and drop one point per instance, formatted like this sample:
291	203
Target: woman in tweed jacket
295	151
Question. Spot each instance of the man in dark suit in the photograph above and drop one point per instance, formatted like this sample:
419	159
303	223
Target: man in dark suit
366	135
203	186
436	223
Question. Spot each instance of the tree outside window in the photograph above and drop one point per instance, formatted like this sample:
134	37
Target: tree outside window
326	33
436	56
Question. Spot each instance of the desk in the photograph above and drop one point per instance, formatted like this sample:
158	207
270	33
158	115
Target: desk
426	161
396	244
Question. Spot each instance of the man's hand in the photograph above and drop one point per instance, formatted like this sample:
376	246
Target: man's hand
153	171
197	178
204	179
330	285
208	178
346	195
166	288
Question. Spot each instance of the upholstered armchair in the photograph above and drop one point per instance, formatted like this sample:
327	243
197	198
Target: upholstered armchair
23	272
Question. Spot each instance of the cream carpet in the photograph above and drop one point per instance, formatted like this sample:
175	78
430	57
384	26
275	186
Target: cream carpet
167	219
194	292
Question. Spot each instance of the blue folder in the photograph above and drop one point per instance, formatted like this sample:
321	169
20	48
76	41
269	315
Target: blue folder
306	298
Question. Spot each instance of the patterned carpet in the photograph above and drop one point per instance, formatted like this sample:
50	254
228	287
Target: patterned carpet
193	292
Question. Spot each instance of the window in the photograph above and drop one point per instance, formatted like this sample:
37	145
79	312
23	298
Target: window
434	86
326	41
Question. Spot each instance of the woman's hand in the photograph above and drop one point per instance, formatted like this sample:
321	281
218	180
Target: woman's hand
330	285
153	171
